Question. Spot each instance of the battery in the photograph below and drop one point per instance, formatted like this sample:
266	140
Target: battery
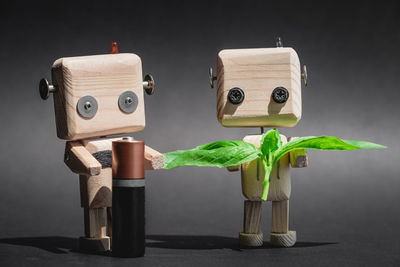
128	199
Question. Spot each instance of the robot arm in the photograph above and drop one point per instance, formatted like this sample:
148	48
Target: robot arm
298	158
153	159
79	160
233	168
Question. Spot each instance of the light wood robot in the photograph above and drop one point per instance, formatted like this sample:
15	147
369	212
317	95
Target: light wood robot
95	97
262	88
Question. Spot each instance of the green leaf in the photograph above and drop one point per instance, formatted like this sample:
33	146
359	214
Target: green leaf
217	154
313	142
270	142
323	143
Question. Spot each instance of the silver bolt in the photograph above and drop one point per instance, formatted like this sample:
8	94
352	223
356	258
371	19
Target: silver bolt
87	106
279	42
211	77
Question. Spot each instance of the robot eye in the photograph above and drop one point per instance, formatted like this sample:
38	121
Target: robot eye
128	102
87	106
236	95
280	95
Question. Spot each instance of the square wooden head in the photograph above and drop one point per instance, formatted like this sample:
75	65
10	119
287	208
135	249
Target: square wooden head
98	95
258	87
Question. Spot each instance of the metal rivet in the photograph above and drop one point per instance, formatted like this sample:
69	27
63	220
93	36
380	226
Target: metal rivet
128	101
87	106
280	95
236	95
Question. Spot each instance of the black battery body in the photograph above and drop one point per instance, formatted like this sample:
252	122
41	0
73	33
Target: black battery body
128	221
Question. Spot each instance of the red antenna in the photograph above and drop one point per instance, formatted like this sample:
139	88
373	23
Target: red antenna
114	48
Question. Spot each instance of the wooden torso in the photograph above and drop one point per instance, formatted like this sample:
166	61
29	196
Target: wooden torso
253	176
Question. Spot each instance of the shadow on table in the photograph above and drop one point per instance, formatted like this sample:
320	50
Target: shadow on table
62	245
54	244
211	242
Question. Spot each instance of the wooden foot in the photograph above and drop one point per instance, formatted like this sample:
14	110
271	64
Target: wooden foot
251	240
251	235
285	240
100	244
96	239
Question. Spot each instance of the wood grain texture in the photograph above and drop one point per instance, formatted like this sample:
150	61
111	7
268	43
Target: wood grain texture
104	77
283	240
96	191
95	222
252	184
252	217
298	158
153	160
258	72
103	143
80	160
251	240
280	216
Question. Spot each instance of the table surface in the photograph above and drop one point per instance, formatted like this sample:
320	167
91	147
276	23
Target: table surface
182	250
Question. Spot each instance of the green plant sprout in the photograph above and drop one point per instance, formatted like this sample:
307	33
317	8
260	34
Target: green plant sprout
232	153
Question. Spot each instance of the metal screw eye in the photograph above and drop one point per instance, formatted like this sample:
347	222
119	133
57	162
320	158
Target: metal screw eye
236	95
128	102
87	106
280	95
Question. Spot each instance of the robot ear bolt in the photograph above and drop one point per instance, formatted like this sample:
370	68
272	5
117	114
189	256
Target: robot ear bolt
148	84
236	95
45	89
304	75
280	95
211	77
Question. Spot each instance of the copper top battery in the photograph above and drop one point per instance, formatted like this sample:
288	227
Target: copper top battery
128	159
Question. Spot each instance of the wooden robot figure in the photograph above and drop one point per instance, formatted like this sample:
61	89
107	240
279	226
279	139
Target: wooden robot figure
262	88
95	97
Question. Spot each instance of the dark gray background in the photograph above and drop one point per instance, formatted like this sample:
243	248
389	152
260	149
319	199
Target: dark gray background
344	206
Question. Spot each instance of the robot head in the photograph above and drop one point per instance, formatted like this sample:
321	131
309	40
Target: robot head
258	87
97	95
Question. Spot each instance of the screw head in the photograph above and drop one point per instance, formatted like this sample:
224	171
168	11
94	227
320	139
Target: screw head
128	100
280	95
236	95
87	105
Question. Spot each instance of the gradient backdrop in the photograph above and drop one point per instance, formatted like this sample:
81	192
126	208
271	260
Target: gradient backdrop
344	206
